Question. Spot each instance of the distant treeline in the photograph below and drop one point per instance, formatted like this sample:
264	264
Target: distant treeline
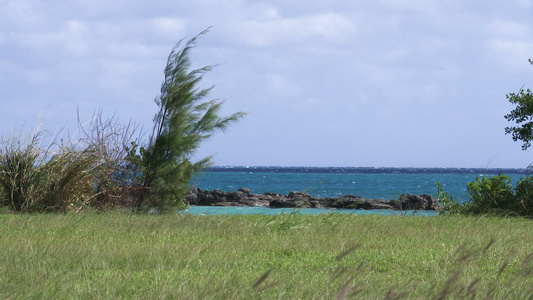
369	170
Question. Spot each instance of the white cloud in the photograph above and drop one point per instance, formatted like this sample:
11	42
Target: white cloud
293	31
525	3
283	86
169	27
73	37
509	28
39	77
420	6
21	14
271	13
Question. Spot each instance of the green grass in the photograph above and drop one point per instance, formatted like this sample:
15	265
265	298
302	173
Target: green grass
127	256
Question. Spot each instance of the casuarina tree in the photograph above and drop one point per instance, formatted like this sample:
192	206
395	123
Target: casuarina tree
185	119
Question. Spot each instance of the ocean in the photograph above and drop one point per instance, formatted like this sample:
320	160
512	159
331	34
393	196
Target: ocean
378	183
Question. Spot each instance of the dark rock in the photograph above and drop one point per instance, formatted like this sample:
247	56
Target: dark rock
246	191
291	203
273	194
243	197
282	203
294	194
422	202
433	203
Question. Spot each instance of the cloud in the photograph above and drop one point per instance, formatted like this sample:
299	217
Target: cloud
329	76
168	27
276	30
509	28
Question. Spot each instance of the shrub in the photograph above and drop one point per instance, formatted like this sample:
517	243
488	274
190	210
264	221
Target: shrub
116	178
449	205
492	196
524	195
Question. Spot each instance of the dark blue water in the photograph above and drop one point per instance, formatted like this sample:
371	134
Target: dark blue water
379	183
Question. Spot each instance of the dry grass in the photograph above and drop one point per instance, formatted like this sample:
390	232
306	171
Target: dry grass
35	176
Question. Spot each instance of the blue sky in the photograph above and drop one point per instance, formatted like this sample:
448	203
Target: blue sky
392	83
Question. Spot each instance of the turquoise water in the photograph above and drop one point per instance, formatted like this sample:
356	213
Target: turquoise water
376	183
243	210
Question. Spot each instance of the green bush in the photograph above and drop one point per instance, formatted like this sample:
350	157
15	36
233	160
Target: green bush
492	196
524	195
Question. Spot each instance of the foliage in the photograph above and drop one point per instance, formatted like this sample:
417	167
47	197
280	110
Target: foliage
493	196
67	180
449	205
522	115
524	195
106	167
183	121
36	178
116	178
18	159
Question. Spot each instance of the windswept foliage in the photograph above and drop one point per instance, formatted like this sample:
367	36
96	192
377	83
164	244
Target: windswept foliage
52	177
183	121
106	167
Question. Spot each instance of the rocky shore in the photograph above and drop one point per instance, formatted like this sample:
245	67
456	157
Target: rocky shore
243	197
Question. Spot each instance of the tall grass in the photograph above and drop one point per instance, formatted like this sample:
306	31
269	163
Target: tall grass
128	256
18	161
39	176
95	168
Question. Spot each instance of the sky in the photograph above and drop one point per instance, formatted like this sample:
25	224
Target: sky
384	83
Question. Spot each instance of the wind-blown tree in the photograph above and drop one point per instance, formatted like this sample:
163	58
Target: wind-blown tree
522	115
185	119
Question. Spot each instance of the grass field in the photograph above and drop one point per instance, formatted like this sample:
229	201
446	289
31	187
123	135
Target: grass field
127	256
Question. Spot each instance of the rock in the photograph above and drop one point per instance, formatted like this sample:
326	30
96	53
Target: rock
422	202
294	194
282	203
433	203
243	197
246	191
290	203
273	194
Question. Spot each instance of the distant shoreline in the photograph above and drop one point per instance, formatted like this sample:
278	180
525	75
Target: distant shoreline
369	170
